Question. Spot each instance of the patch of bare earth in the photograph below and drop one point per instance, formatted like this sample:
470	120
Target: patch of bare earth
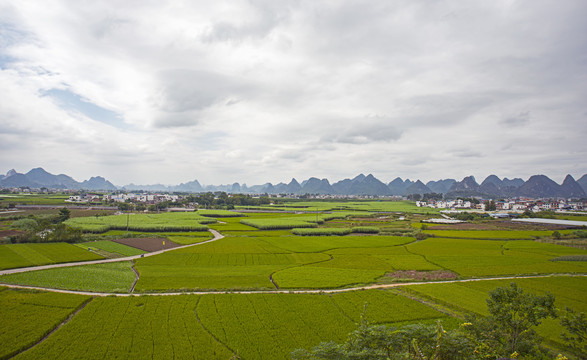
148	244
414	275
497	225
10	233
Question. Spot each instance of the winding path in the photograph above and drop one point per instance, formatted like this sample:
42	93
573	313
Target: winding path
311	291
217	236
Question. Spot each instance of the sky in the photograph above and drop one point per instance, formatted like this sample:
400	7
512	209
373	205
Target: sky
262	91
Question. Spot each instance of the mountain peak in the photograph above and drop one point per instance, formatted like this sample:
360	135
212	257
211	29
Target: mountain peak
11	172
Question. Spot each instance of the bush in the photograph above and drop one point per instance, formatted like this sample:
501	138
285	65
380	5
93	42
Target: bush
321	231
365	229
27	224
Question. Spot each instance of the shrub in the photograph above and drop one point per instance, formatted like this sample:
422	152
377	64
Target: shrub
365	229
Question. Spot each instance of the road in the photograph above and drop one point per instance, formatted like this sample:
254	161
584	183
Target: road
312	291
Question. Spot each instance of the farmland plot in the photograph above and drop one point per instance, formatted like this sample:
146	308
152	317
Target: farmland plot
109	277
133	328
471	296
490	258
111	246
217	267
23	255
264	326
142	222
27	316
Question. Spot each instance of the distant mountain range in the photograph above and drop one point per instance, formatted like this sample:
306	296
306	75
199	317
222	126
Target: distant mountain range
361	185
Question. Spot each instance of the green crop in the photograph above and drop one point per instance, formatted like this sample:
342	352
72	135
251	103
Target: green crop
112	247
109	277
321	231
165	222
24	255
27	316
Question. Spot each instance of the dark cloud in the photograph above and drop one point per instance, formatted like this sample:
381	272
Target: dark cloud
519	120
361	131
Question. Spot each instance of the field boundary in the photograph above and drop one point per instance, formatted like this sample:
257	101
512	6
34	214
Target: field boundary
57	327
292	291
217	236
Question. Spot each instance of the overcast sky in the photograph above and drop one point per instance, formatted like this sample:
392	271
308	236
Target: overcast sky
256	91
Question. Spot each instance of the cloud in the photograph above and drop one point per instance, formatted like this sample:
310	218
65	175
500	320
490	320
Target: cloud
275	90
518	120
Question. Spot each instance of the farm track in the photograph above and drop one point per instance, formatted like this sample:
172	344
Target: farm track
217	236
67	319
302	291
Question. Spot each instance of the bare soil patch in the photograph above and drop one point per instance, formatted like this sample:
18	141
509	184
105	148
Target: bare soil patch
148	244
497	225
414	275
7	233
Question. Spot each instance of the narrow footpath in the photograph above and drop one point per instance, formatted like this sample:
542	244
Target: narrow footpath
302	291
217	236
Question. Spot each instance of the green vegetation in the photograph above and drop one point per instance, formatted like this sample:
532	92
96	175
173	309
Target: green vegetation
365	229
490	258
321	231
142	222
24	255
220	213
33	199
268	257
110	277
492	234
507	331
271	326
163	327
470	297
111	246
283	223
27	316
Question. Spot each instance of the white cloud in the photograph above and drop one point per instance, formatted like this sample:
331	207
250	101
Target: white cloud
256	91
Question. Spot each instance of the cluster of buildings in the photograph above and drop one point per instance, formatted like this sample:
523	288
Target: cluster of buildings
508	205
118	198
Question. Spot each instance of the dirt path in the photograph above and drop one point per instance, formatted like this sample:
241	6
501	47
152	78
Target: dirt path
217	236
310	291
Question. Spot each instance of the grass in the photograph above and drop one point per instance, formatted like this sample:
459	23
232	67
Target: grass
133	328
321	231
283	223
110	277
493	234
473	258
471	296
112	247
34	199
27	316
220	213
165	222
25	255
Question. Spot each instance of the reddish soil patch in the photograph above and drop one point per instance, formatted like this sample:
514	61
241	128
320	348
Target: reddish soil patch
7	233
422	275
148	244
496	225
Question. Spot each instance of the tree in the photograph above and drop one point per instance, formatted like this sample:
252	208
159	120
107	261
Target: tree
64	214
512	315
575	334
490	206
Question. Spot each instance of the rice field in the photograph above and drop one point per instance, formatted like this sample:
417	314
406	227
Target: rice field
112	247
25	255
27	316
270	326
116	277
471	296
165	222
255	326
